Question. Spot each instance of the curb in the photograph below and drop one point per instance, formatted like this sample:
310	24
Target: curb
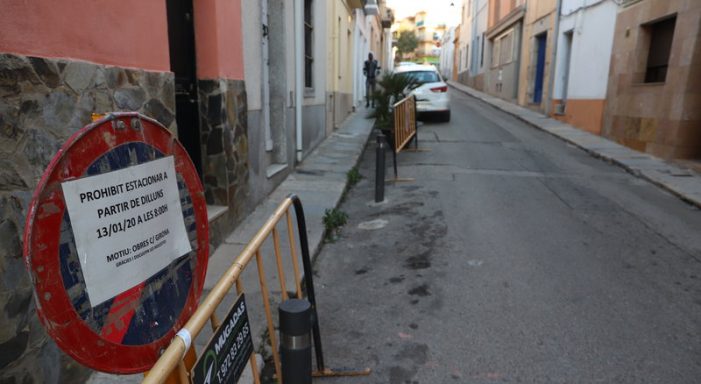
315	249
637	172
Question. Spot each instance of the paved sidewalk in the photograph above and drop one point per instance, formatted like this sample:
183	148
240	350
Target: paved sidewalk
684	183
319	181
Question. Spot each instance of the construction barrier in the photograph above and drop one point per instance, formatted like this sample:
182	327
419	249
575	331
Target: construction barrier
176	361
403	131
404	122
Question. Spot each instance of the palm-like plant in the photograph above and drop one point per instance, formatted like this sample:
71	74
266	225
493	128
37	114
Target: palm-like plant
392	88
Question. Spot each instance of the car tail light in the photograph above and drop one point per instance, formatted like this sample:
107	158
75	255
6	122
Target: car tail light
440	89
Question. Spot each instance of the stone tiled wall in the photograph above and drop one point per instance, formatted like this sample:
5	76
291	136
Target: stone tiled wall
43	102
224	139
664	118
476	82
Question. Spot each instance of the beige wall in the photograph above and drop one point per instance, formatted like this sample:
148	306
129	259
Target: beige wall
339	68
502	60
663	118
499	9
339	63
540	18
582	113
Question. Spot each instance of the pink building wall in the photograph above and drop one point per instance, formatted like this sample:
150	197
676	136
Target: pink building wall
218	39
105	32
125	33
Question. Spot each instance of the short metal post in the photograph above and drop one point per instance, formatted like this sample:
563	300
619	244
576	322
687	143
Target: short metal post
380	169
295	341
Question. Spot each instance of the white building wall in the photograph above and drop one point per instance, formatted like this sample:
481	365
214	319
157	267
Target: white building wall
480	27
592	23
465	40
252	52
388	65
361	48
446	55
290	53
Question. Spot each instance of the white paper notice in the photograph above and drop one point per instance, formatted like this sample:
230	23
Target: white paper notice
128	225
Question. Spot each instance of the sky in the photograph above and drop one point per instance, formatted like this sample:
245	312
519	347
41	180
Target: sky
437	11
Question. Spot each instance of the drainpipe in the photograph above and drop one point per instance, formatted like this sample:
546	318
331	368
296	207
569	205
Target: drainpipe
299	73
553	58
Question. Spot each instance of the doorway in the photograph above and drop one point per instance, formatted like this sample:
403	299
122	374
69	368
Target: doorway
181	42
567	53
539	67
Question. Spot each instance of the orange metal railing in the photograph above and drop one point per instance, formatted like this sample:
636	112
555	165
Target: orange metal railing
404	122
176	361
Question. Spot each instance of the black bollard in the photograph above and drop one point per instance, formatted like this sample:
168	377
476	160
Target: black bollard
380	169
295	341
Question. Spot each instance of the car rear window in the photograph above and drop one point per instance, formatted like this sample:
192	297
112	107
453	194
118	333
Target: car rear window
422	77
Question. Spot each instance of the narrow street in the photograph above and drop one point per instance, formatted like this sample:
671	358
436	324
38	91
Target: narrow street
512	257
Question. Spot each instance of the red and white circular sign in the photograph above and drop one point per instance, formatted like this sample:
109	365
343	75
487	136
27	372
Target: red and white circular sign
116	242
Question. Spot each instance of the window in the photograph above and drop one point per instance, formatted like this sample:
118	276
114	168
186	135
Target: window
661	35
467	56
308	41
506	54
503	49
422	77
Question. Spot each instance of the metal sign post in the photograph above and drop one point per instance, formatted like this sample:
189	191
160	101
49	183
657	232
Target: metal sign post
116	242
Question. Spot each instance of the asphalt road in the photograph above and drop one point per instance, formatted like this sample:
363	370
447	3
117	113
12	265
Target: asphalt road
511	258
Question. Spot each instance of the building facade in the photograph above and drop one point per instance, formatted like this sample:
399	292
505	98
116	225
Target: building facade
371	31
584	46
387	19
462	50
473	28
177	62
480	11
339	62
249	87
537	49
268	62
654	87
456	53
447	57
503	59
428	36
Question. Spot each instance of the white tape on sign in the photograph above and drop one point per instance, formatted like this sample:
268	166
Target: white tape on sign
185	335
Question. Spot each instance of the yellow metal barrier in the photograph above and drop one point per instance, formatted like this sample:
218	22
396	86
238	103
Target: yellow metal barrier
175	362
404	122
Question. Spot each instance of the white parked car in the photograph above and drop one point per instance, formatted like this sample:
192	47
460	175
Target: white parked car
431	91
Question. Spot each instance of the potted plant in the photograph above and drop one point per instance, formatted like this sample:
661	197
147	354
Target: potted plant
392	88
